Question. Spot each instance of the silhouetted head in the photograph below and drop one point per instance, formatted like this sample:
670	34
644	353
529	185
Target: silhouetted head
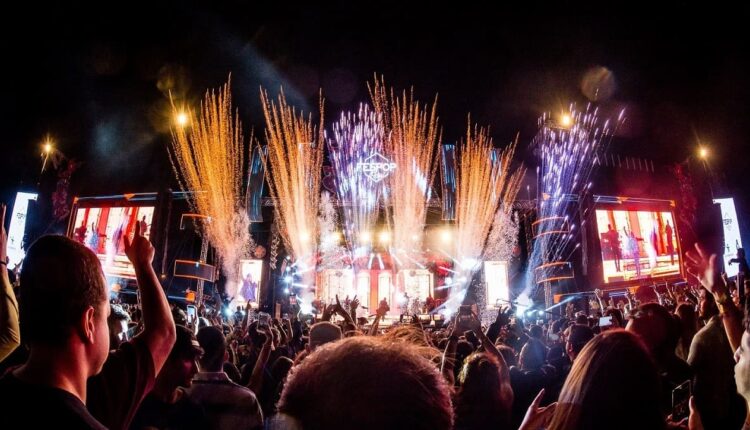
334	387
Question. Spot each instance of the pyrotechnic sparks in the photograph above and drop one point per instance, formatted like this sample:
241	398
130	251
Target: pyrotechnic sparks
485	184
356	137
503	236
208	159
568	157
483	181
332	253
411	134
294	162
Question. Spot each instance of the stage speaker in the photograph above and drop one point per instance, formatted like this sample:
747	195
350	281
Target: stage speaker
194	270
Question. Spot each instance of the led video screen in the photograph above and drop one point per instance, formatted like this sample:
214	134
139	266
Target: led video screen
103	230
637	244
251	272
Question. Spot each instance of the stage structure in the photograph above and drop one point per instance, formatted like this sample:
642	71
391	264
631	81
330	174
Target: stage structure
369	239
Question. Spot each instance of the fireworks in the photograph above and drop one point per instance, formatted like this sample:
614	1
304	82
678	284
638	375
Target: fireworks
568	156
208	159
332	254
411	134
356	137
503	236
485	190
295	158
483	181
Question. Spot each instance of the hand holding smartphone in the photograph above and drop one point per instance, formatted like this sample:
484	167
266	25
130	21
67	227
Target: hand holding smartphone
192	314
681	401
263	321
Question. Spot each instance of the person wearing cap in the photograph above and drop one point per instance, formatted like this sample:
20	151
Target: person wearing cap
226	405
322	333
166	405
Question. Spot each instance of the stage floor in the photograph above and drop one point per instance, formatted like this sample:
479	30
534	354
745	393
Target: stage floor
661	266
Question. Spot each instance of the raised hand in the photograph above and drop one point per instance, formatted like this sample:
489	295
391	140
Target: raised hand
474	324
503	315
537	418
139	250
337	306
354	304
703	267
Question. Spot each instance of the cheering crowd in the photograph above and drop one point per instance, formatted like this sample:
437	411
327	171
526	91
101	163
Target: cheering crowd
71	358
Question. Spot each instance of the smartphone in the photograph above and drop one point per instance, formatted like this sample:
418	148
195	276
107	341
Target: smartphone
681	401
192	314
605	322
263	320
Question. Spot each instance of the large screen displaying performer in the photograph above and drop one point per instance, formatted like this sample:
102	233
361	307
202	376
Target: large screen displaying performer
103	229
637	244
250	284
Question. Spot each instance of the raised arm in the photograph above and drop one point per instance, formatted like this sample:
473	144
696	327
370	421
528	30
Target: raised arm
703	268
341	311
600	299
449	358
256	379
502	319
487	343
383	308
10	333
284	336
158	326
353	309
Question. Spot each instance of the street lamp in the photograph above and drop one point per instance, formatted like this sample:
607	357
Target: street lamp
703	152
47	149
566	120
703	155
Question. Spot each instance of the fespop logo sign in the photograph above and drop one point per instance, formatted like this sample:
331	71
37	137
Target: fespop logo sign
376	167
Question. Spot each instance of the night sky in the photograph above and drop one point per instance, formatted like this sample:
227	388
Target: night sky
96	78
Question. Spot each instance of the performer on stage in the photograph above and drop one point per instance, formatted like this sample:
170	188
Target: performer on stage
742	274
613	241
249	288
670	245
80	233
144	226
92	241
635	251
